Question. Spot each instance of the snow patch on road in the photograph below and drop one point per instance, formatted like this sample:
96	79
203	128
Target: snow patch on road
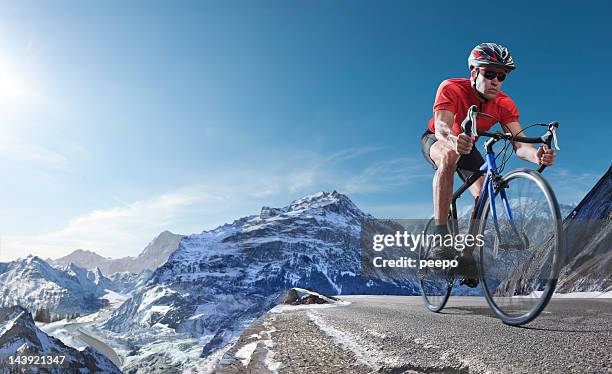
287	308
571	295
245	353
370	356
375	333
269	361
580	295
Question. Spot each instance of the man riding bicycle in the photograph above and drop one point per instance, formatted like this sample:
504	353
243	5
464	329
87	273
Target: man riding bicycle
448	149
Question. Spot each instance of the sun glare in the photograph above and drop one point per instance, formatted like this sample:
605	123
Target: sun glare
12	85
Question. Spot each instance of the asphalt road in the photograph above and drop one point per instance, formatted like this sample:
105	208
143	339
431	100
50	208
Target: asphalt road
396	334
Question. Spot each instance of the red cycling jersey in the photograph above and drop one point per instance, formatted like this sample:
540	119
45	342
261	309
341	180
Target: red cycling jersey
457	95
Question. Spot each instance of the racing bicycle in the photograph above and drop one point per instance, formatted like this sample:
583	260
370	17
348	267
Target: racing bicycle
518	220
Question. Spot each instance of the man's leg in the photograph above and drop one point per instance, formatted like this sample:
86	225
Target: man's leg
446	164
445	160
477	187
468	165
469	269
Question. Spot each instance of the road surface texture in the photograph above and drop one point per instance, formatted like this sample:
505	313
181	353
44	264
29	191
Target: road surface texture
396	334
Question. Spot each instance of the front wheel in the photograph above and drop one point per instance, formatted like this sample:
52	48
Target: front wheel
435	283
521	246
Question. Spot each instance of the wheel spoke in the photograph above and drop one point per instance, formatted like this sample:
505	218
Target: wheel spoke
435	284
518	269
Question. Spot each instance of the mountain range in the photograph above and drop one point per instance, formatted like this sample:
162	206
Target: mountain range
154	254
19	337
219	281
586	261
204	289
51	293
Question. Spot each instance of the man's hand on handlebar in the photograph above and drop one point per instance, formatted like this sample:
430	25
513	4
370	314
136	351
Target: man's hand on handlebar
463	144
546	155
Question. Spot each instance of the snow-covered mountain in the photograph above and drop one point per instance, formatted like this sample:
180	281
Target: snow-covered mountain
154	254
588	257
588	262
83	258
19	336
125	282
50	293
218	281
530	218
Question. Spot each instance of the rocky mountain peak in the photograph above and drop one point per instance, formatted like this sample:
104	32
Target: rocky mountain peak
14	315
31	264
36	285
20	336
153	255
328	201
321	199
586	258
597	204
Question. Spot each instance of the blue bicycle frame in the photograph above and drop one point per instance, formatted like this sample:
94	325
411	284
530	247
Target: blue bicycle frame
489	169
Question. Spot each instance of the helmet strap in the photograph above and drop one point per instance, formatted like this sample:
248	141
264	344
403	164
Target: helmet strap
480	96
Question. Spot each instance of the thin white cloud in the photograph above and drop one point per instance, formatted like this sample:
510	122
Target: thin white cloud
348	154
302	180
573	192
386	175
125	229
18	149
127	226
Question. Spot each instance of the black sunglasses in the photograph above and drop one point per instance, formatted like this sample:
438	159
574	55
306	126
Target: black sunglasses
490	74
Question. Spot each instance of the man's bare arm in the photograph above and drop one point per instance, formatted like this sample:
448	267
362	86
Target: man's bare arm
528	152
443	122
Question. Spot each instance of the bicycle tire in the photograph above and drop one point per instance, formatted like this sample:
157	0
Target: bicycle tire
435	293
551	258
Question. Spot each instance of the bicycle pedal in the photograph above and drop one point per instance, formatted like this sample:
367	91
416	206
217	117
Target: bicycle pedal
470	282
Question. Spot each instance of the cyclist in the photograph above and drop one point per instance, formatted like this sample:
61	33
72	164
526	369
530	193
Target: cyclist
444	142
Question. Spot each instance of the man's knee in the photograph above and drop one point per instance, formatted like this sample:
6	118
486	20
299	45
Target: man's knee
445	159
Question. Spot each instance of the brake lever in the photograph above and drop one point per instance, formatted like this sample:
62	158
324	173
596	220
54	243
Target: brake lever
469	123
473	113
555	139
552	131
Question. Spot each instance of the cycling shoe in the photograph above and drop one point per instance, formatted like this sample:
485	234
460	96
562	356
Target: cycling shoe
467	267
442	252
470	282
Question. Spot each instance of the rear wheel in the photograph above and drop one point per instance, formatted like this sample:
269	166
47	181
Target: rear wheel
435	283
519	259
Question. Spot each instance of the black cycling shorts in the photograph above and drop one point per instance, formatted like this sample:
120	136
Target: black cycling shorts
467	164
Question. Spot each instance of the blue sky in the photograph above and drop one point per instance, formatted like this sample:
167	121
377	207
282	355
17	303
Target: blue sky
120	120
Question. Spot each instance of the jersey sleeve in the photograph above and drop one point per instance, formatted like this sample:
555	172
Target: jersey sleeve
446	98
509	111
